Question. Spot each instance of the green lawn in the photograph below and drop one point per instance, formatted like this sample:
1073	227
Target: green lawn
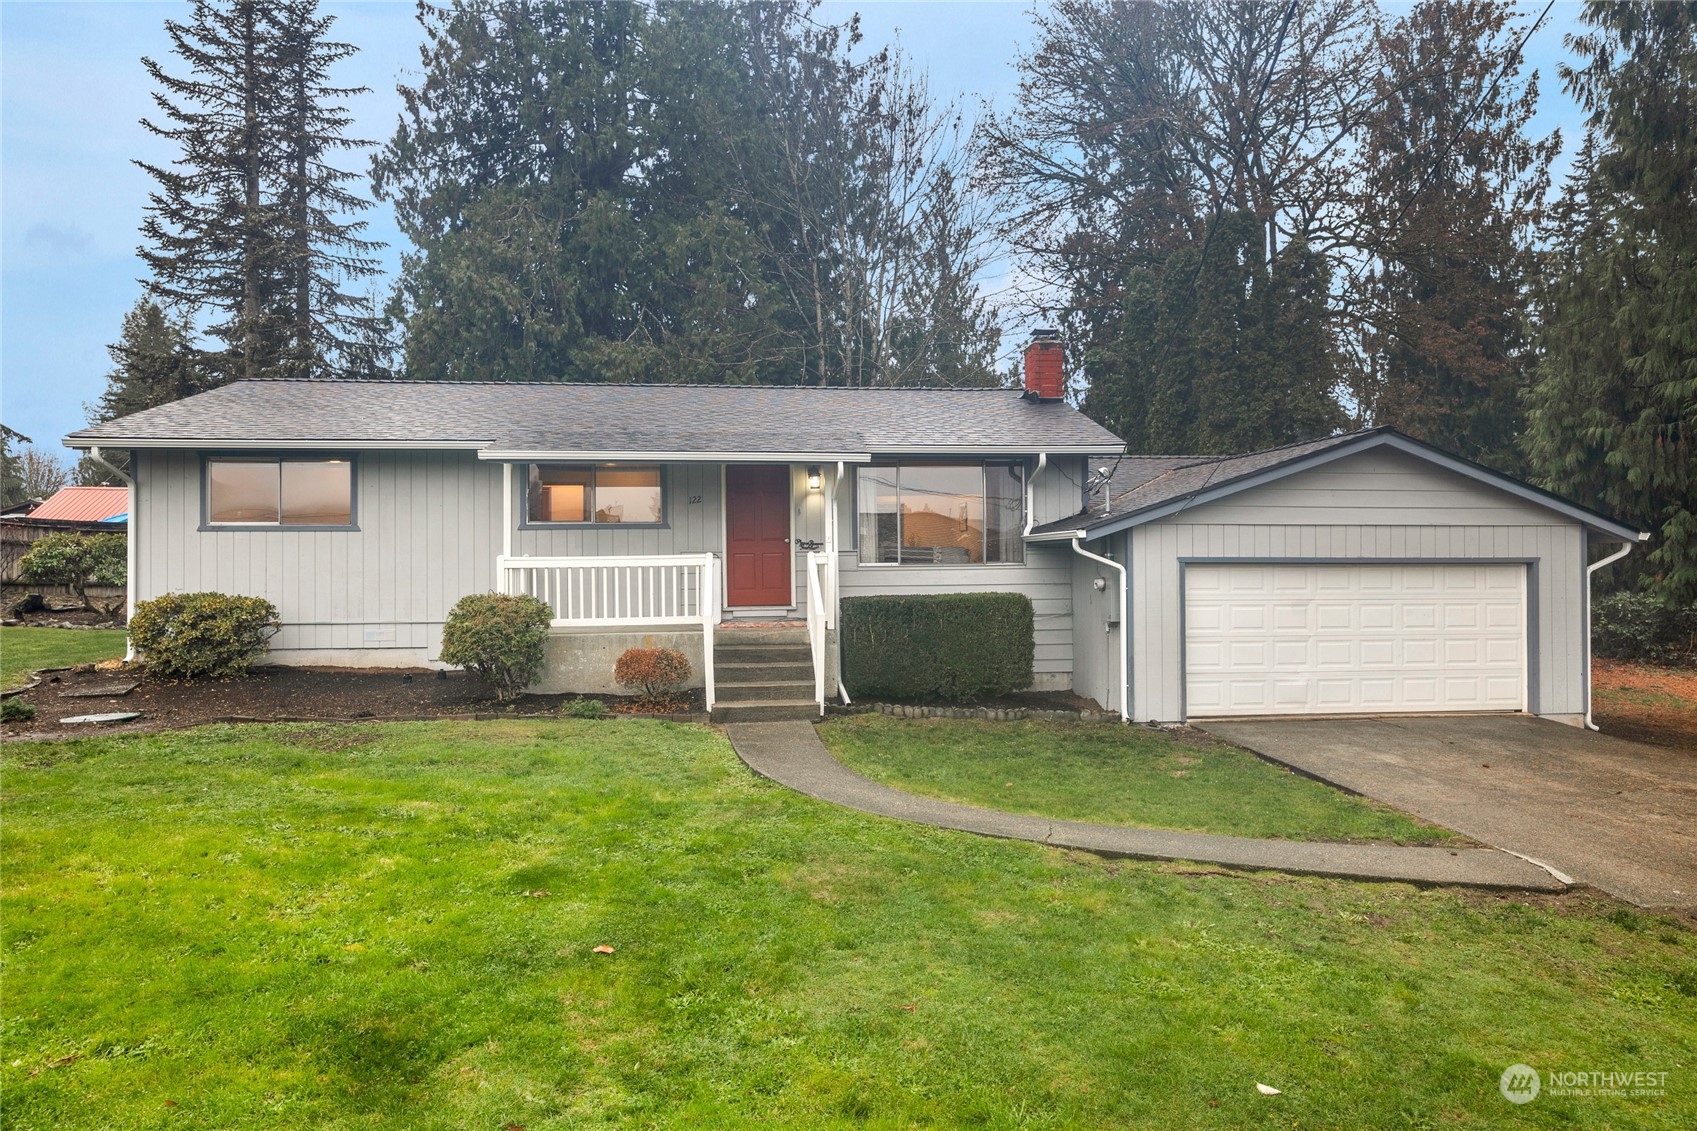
394	926
24	651
1114	775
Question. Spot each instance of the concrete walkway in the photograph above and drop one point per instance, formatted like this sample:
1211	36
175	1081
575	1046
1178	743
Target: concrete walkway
791	754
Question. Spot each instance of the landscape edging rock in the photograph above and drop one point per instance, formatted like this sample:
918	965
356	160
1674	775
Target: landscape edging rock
988	714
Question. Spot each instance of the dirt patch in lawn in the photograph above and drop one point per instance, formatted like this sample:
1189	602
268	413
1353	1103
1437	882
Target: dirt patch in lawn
284	694
1645	703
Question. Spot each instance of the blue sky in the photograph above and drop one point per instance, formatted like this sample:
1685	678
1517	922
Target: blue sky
72	90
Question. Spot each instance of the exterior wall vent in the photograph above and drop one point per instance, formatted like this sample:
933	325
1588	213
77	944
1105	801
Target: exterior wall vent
1045	367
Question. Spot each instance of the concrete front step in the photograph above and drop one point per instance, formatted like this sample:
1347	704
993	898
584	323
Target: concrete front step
730	671
782	691
765	711
760	636
763	654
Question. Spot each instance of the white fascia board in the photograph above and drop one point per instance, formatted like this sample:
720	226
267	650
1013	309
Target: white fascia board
500	456
1002	452
211	445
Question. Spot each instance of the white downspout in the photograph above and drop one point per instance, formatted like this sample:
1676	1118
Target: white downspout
1125	668
836	621
1031	493
129	548
1590	571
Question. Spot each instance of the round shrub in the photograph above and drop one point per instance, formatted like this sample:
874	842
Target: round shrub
77	561
501	639
656	672
199	635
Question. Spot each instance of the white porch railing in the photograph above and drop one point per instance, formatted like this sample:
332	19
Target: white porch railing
677	589
821	614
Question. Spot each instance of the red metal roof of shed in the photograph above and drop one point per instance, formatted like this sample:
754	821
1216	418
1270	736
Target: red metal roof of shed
84	504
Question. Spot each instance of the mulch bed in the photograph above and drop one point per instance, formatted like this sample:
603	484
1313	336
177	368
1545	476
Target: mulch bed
291	694
1666	716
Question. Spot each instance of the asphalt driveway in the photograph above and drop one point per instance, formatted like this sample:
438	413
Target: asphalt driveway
1617	815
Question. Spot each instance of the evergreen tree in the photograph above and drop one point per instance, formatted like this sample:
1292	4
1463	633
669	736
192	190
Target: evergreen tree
1450	190
1175	173
11	467
154	362
243	226
1226	352
325	250
678	192
1612	418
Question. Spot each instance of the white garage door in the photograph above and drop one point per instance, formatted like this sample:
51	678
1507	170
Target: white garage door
1354	639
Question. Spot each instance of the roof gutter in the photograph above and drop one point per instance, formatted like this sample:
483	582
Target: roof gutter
1031	493
1125	668
1590	572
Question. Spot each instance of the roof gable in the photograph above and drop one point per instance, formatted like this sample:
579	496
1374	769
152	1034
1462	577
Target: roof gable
1155	490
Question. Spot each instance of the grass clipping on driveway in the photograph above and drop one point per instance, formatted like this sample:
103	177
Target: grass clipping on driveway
1112	775
396	925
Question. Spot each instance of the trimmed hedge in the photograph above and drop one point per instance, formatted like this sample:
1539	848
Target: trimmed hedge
1636	626
197	635
952	647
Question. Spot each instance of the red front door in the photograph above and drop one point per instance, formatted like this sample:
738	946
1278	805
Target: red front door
758	566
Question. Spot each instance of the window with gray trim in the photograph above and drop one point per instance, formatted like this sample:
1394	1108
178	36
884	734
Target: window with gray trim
941	513
276	491
594	493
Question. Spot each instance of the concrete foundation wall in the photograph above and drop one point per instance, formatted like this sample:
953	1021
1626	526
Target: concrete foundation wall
581	663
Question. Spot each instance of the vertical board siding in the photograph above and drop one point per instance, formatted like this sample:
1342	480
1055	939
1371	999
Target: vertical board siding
430	530
1156	599
1373	505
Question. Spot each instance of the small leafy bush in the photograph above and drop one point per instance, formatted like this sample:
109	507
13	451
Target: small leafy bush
1637	626
583	708
656	672
951	647
16	711
201	635
500	638
77	561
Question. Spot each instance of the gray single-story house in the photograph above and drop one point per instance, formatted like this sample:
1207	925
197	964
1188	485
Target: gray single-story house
1362	573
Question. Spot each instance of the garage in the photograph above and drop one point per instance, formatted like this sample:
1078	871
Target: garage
1338	639
1363	573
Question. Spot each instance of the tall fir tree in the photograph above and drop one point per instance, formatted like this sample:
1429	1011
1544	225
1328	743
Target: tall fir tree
1612	418
678	192
154	362
327	252
1451	189
247	226
1224	350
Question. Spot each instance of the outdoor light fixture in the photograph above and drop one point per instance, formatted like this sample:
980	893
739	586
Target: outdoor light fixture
813	477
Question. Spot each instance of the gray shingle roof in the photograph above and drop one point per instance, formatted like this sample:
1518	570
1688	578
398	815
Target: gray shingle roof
558	417
1143	487
1141	482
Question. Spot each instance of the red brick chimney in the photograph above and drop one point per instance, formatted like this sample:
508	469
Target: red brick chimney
1045	366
